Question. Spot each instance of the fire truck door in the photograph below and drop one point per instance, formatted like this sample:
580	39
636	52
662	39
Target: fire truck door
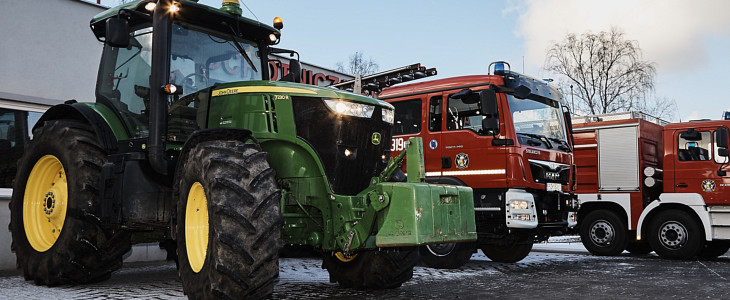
697	164
468	147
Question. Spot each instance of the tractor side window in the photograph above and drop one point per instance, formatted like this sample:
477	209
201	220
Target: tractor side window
407	117
124	80
434	114
694	145
460	115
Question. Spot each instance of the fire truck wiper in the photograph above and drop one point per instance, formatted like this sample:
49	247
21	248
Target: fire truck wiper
539	137
563	144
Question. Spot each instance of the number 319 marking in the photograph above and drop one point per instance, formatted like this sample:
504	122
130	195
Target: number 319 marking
398	144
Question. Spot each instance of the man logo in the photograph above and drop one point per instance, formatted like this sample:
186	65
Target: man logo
552	176
375	139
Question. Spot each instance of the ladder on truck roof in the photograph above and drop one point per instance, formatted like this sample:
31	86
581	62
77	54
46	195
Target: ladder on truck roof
625	115
377	82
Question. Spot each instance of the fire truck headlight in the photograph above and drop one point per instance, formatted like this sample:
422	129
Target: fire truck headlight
350	108
519	204
388	115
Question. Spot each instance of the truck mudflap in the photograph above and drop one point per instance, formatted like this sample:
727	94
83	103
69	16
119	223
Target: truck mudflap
420	213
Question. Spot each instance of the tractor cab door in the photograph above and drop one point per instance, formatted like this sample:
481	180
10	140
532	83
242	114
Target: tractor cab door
697	163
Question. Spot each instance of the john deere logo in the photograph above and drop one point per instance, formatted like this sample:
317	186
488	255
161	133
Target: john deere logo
461	160
376	138
708	185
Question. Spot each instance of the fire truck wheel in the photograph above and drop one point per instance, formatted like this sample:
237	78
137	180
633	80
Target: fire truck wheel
228	221
714	249
384	268
603	233
675	234
447	256
639	248
54	211
507	254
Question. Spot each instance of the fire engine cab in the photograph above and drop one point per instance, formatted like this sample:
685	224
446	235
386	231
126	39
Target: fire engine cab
644	185
504	135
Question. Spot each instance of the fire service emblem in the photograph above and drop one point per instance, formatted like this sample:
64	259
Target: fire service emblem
461	160
708	185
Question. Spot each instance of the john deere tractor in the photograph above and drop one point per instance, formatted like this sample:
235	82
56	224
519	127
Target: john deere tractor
190	145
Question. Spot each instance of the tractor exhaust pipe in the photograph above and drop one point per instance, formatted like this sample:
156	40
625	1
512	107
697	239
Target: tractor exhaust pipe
162	27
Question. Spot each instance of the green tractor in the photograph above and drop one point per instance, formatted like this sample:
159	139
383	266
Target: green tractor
189	145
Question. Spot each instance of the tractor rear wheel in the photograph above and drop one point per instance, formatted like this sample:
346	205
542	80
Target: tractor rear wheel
675	234
54	219
447	256
228	221
385	268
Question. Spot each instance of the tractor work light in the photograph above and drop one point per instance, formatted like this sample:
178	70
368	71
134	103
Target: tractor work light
175	7
150	6
350	108
388	115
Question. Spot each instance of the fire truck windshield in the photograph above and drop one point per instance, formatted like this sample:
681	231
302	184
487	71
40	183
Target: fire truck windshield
537	119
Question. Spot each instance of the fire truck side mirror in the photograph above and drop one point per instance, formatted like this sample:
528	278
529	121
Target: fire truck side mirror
117	32
721	139
489	109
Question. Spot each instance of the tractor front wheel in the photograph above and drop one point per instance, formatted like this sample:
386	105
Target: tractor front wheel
228	221
384	268
54	211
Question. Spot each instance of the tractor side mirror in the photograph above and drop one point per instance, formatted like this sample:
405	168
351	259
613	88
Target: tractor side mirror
117	32
721	139
295	71
489	109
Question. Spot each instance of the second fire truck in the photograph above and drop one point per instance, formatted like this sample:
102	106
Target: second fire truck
644	185
506	136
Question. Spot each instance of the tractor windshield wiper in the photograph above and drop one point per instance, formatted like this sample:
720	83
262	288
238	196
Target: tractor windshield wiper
240	49
539	137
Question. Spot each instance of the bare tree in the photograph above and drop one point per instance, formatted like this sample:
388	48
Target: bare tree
605	73
358	65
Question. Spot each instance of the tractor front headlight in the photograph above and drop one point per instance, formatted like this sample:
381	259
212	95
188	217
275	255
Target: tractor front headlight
388	115
350	108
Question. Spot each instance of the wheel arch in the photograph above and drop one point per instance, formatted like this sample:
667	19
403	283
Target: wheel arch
91	115
692	204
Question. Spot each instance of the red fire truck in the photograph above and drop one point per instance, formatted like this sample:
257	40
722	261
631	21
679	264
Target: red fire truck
644	185
507	137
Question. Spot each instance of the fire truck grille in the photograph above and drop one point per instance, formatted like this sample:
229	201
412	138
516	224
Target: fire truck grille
543	173
345	145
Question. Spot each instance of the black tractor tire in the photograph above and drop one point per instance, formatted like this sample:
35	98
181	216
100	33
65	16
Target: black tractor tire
447	256
67	160
228	247
385	268
507	254
714	249
639	248
603	233
676	234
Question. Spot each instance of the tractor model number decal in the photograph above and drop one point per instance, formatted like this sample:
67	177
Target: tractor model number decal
398	144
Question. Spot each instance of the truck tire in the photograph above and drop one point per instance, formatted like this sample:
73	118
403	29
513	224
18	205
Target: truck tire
228	221
639	248
54	221
507	254
446	256
603	233
675	234
714	249
385	268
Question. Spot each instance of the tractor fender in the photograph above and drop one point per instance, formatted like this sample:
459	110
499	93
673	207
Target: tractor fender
104	133
692	201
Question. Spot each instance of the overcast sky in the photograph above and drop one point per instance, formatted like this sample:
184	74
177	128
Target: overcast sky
688	40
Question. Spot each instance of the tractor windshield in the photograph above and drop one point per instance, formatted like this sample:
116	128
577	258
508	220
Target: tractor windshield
539	122
200	58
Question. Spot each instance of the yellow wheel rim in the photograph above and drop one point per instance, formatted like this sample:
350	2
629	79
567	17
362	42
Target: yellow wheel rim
345	258
196	227
44	203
